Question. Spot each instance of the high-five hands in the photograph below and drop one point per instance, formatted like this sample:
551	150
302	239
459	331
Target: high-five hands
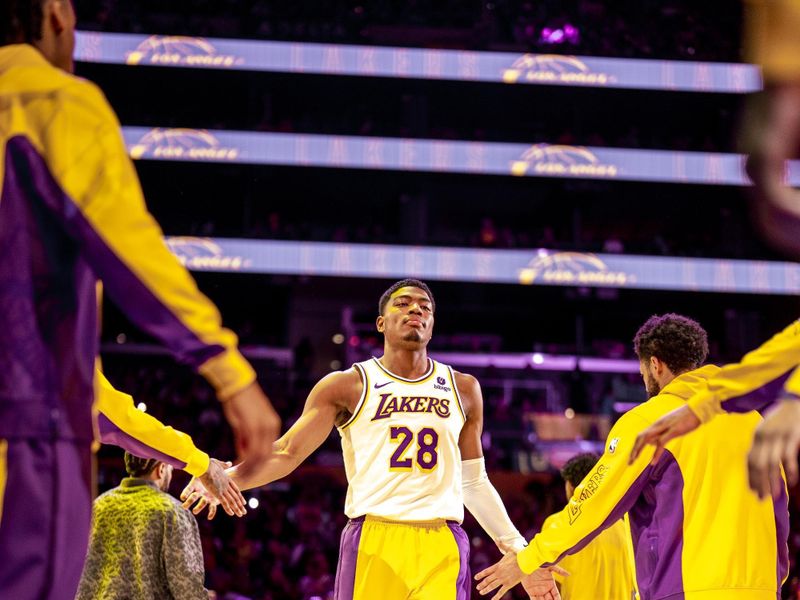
506	573
212	489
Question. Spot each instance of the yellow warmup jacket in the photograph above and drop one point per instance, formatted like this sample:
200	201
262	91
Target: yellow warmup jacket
756	381
122	424
72	212
602	570
698	531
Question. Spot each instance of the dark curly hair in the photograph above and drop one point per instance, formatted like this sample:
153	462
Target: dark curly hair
401	284
139	467
578	467
20	21
678	341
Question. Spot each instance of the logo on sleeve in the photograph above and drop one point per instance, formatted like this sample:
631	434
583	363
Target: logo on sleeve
584	491
612	445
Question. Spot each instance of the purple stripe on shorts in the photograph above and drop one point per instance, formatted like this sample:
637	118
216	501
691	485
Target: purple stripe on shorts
111	434
348	556
464	581
781	507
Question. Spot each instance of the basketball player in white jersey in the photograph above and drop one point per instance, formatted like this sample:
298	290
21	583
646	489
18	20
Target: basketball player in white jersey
411	439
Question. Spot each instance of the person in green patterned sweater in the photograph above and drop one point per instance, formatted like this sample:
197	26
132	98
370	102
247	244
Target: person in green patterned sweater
143	545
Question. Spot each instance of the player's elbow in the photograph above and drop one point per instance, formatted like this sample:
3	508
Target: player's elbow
288	453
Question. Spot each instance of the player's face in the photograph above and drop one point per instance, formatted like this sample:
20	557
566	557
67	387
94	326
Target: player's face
407	320
650	383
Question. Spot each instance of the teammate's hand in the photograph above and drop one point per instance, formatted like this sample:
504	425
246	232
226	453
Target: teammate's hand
217	483
504	574
255	426
672	425
540	584
776	440
195	493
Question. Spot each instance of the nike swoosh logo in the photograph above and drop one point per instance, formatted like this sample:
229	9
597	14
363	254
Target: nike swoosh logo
377	387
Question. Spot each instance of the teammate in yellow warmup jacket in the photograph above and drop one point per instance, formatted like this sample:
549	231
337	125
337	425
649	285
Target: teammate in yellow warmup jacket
766	376
72	213
697	531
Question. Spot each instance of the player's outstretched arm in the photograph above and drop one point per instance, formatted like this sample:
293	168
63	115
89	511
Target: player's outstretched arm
603	497
729	390
324	405
122	424
539	585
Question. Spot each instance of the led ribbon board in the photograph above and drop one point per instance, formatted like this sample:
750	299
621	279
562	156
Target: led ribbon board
440	156
524	267
415	63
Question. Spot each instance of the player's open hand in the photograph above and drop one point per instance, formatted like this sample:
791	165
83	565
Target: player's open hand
776	441
672	425
255	426
196	498
219	484
504	574
540	584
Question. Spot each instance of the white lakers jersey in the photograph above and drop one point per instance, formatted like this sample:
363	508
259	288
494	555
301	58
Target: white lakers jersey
400	446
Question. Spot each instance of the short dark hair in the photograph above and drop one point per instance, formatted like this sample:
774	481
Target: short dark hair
139	467
578	467
679	341
401	284
21	21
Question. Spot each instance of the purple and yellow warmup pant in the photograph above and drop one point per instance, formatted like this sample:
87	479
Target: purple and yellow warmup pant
393	560
45	515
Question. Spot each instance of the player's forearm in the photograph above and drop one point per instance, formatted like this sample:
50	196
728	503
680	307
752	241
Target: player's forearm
603	497
280	464
484	503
